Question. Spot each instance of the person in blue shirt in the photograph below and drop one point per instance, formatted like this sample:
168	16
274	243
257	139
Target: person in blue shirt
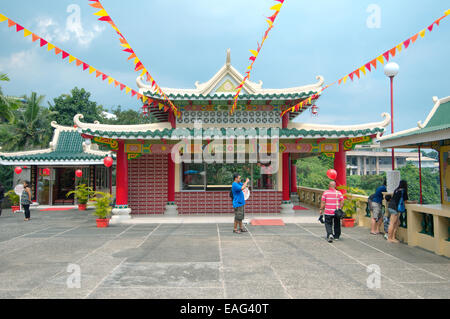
238	203
376	204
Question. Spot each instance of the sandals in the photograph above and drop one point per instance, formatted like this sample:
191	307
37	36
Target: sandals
236	231
243	230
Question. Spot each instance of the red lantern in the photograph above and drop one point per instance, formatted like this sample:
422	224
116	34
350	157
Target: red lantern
314	110
79	173
46	172
108	161
332	174
18	170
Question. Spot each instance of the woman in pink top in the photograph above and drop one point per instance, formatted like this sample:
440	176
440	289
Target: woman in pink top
331	201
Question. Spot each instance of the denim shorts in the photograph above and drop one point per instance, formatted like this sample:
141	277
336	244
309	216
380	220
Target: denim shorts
393	211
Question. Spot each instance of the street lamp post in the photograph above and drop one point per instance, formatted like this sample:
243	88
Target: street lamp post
391	70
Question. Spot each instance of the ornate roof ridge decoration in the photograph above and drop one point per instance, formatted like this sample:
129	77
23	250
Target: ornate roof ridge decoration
96	126
437	103
368	126
252	88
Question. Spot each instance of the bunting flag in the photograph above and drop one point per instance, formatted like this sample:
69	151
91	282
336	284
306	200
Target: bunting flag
270	20
64	54
372	65
139	66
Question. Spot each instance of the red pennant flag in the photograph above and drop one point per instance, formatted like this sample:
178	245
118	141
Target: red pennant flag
57	50
107	18
368	67
116	83
19	28
133	92
392	52
85	66
122	86
357	74
406	43
104	77
430	28
65	54
273	17
34	37
11	23
43	42
351	75
386	55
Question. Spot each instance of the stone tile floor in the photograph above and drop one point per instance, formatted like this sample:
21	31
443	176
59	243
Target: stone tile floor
41	259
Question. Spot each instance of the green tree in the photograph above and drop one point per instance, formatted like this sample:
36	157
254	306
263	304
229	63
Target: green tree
127	117
66	106
31	127
7	104
312	171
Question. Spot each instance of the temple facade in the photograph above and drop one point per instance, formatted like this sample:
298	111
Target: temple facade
185	164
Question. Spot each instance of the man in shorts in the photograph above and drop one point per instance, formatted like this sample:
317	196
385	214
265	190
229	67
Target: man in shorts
238	203
375	207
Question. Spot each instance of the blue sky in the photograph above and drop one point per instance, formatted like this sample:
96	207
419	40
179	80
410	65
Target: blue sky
182	42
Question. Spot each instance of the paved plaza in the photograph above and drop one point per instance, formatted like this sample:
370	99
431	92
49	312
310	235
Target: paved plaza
43	257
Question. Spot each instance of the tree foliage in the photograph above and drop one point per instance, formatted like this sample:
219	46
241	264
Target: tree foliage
127	117
66	106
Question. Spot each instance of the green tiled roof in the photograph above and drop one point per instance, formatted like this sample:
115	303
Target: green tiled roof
69	148
211	132
245	97
440	121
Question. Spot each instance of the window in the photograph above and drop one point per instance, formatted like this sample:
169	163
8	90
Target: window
219	177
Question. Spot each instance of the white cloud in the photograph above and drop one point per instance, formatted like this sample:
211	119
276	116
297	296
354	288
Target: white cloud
51	30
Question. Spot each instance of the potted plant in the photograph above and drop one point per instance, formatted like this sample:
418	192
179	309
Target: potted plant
350	205
14	199
82	193
102	203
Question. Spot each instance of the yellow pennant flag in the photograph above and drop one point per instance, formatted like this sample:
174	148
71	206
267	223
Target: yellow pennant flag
3	18
50	46
422	33
71	58
144	99
127	90
381	59
126	45
110	80
345	79
101	13
447	12
255	53
400	47
276	7
269	22
143	72
363	69
136	60
91	69
26	32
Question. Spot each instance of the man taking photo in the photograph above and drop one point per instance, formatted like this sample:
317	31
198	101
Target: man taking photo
238	203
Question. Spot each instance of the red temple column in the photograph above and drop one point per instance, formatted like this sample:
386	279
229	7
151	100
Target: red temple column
171	207
340	165
286	205
121	210
293	177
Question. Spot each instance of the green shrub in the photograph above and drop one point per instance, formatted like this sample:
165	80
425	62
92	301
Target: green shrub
102	205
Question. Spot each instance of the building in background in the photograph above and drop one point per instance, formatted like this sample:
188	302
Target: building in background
373	160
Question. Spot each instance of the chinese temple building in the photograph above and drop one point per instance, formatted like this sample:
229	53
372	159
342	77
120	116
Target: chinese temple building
51	171
185	164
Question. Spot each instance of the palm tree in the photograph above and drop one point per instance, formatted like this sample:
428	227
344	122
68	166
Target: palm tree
31	127
7	104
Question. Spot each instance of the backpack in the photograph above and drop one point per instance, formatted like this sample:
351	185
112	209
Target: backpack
401	204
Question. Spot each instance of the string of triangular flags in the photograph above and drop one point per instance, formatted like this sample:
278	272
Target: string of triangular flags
270	20
78	62
370	66
139	66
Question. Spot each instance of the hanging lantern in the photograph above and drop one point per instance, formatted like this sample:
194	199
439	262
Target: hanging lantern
18	170
108	161
314	110
46	172
78	173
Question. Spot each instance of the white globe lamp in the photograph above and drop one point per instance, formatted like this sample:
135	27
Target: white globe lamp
391	69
